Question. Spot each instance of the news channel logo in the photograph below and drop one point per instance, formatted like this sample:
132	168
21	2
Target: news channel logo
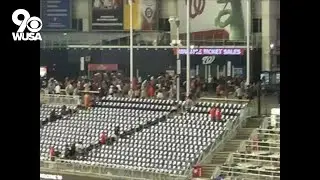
23	20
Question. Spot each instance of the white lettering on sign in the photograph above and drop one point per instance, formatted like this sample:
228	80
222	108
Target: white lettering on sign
231	51
213	51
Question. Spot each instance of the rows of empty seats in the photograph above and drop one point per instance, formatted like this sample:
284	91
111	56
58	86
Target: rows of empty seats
87	125
258	158
226	108
128	152
193	132
172	145
167	147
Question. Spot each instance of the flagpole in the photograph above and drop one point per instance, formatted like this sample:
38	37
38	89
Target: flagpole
248	40
131	45
188	49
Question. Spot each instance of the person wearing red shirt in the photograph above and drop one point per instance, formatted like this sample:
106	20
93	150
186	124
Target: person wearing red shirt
134	83
51	153
103	138
218	114
150	91
212	113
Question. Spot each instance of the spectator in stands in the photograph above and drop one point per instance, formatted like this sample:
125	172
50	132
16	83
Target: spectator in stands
73	150
143	91
87	86
111	90
53	116
79	148
188	103
45	121
76	91
69	89
51	86
219	90
130	93
174	108
249	92
172	92
65	111
212	113
151	90
57	88
117	130
238	92
51	153
125	89
87	100
220	177
218	115
67	152
243	85
160	95
215	114
103	138
137	93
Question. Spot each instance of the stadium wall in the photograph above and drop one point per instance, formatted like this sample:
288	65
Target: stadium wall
66	62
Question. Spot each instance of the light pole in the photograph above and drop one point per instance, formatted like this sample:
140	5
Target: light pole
188	48
131	44
177	43
248	40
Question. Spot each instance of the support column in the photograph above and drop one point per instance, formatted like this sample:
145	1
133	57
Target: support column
266	34
89	15
270	12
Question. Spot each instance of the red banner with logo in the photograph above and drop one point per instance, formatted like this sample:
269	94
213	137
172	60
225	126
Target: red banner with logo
102	67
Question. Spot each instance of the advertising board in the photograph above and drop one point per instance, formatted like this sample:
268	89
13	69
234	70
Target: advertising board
56	14
107	15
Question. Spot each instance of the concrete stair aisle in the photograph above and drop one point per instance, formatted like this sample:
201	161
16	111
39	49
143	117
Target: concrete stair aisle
219	158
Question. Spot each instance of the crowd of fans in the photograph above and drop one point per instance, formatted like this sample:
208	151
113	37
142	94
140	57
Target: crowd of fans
162	86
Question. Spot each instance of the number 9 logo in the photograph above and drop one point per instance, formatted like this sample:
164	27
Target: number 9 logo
33	24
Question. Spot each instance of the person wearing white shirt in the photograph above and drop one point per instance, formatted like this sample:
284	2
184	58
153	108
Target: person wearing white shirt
110	90
239	93
130	93
86	87
79	148
160	95
57	89
119	87
187	104
69	89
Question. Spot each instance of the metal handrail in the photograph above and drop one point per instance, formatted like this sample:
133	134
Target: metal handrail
217	169
104	170
60	99
245	143
231	127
